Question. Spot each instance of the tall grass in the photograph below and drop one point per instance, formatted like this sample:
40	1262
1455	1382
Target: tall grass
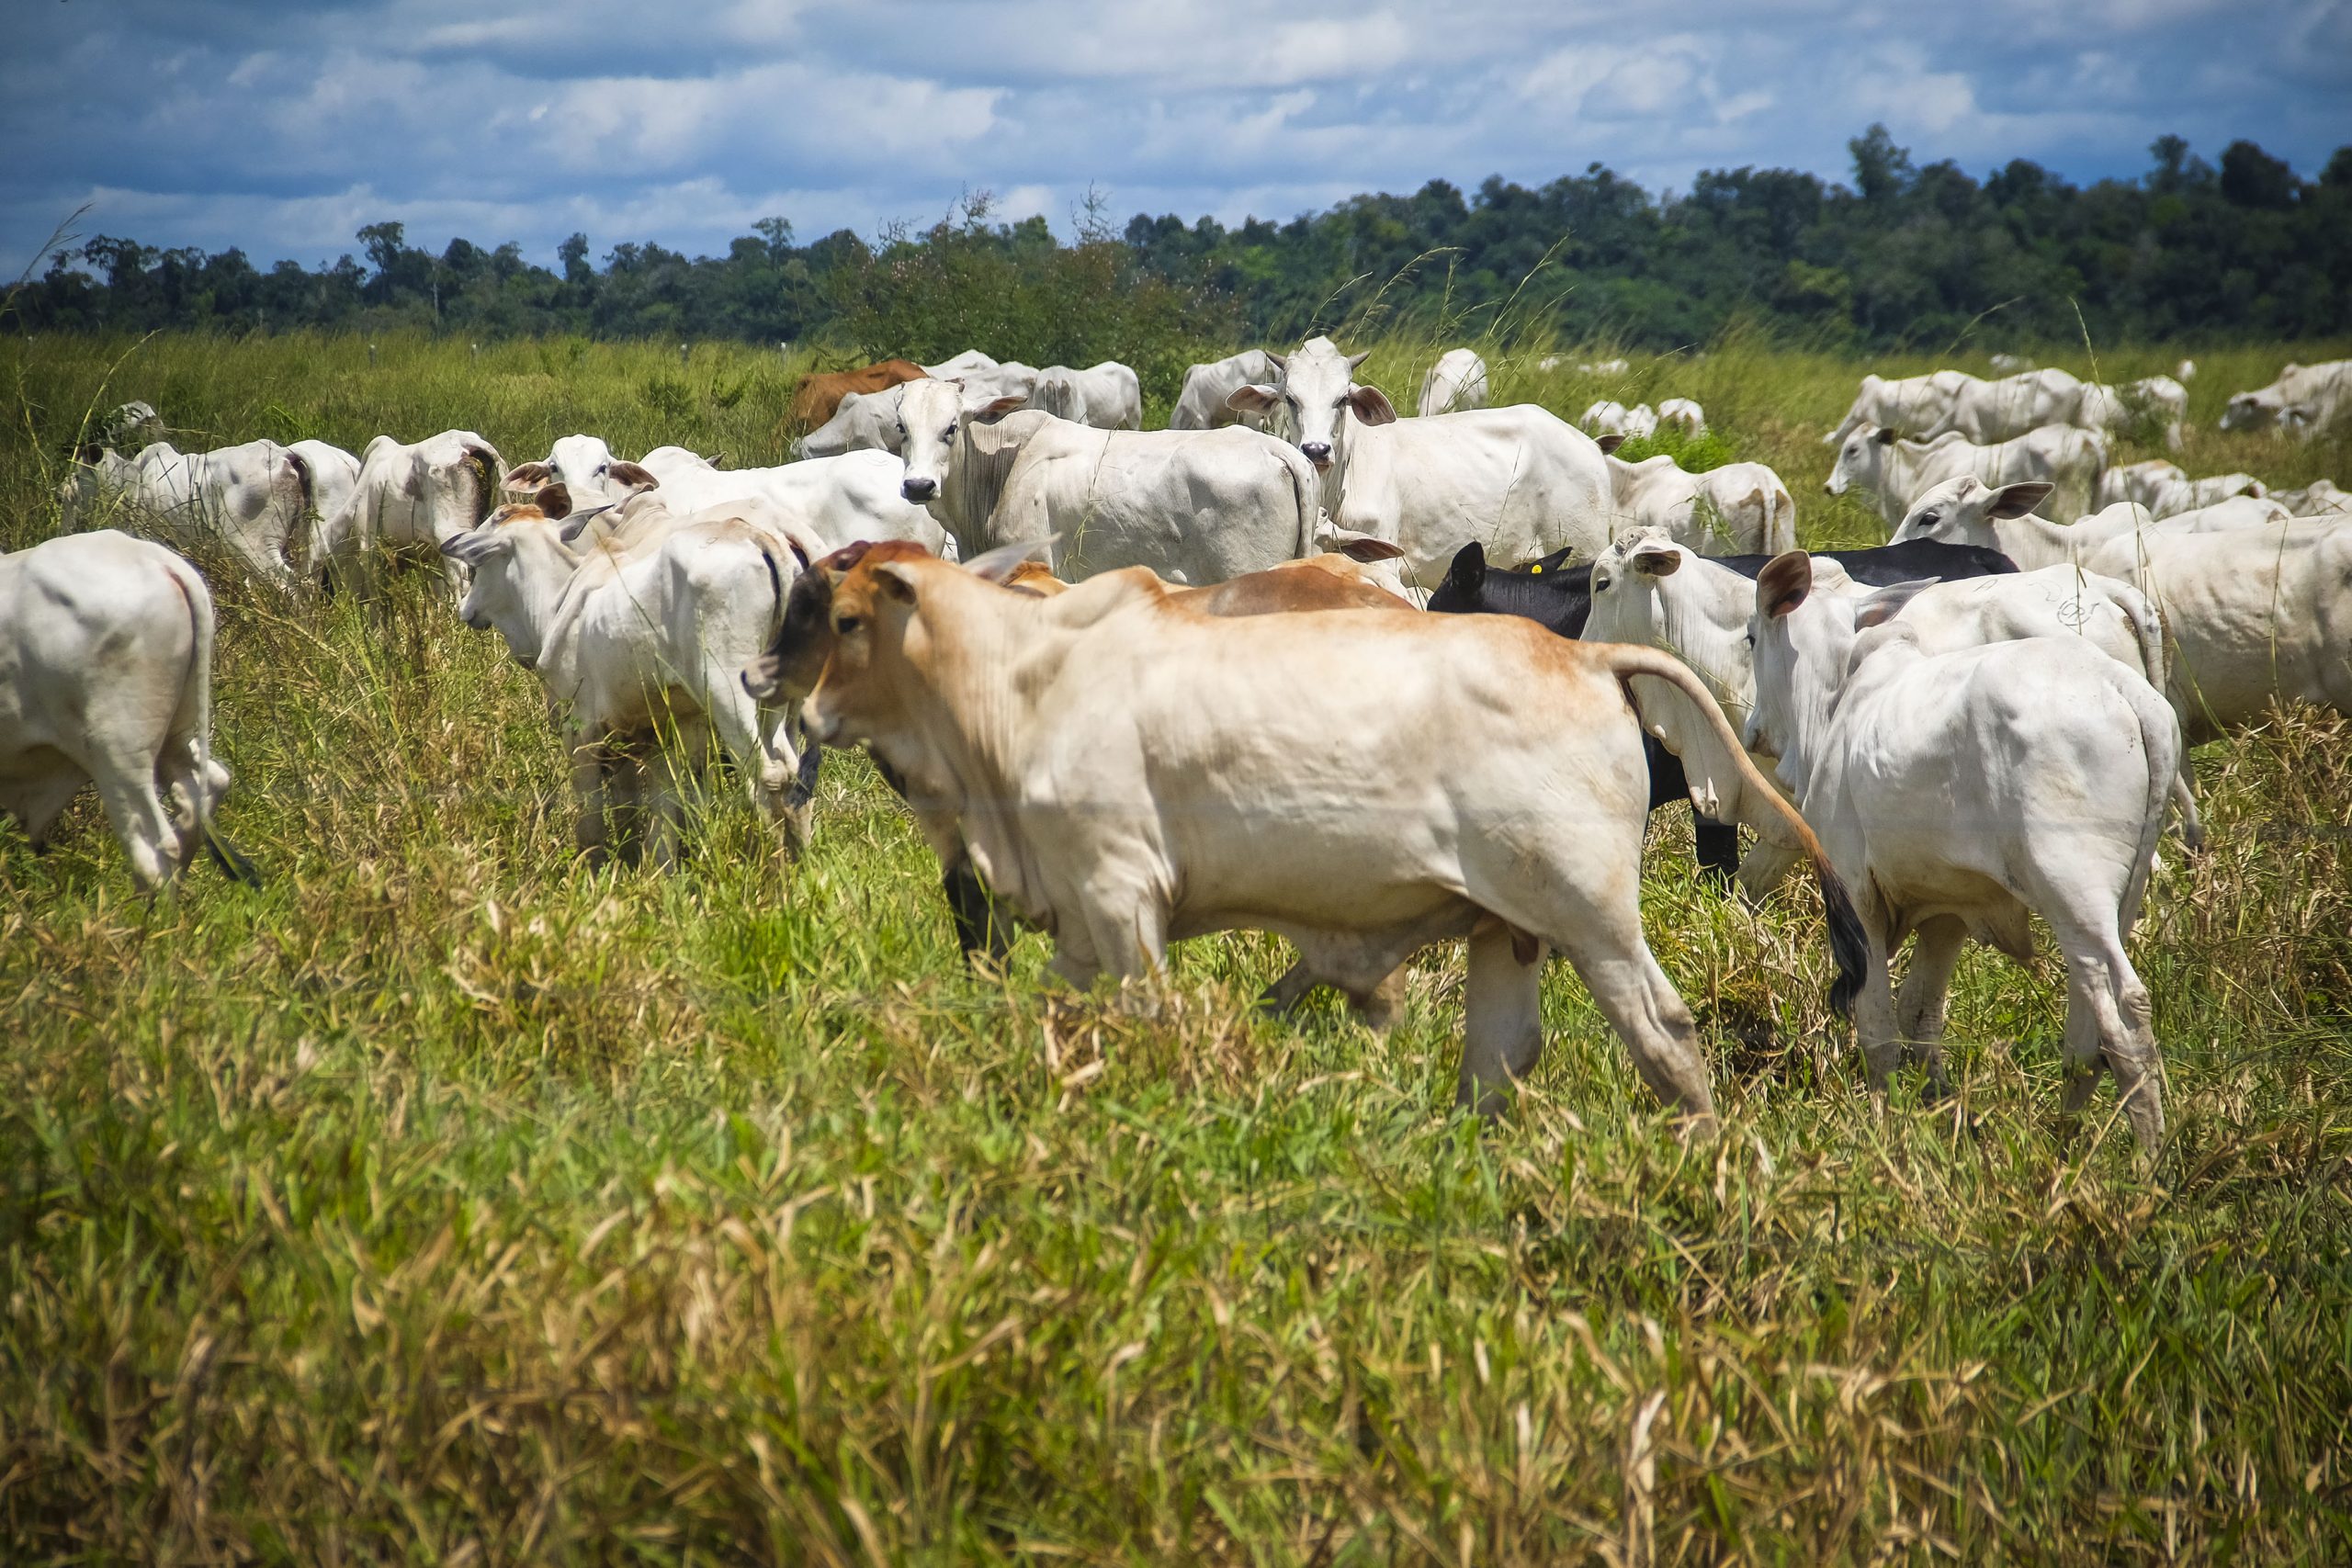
444	1200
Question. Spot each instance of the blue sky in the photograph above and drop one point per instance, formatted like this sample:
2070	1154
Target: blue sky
282	128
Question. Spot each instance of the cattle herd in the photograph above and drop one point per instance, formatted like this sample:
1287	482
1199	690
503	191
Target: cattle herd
1141	685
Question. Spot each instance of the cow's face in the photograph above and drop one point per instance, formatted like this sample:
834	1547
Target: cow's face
581	464
859	695
494	598
804	641
1627	591
1778	641
930	417
1313	393
1858	458
1962	511
2254	411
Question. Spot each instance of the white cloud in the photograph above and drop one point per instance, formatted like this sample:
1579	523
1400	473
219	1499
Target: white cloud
285	127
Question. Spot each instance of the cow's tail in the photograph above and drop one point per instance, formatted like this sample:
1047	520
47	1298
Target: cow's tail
1847	945
2149	627
2161	741
306	518
192	727
1307	493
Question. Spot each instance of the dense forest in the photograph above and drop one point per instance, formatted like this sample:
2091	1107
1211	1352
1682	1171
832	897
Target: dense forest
1903	255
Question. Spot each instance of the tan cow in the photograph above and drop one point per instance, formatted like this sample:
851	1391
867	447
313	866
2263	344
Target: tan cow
1127	771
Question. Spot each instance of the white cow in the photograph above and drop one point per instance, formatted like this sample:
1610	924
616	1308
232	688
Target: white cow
1202	404
106	679
2186	370
863	421
1966	511
1909	404
1519	481
132	425
1990	411
334	475
411	498
2321	498
2255	614
1609	417
1458	380
1959	793
643	642
2159	400
2009	363
252	498
1684	412
2167	491
1107	396
2305	399
1196	506
1895	471
1739	508
854	496
971	359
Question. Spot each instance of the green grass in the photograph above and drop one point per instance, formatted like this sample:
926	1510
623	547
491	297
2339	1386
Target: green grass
442	1200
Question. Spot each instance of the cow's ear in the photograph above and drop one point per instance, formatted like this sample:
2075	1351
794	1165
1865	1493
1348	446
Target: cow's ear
1252	399
897	581
998	564
1785	582
476	545
527	477
1882	607
1468	572
1887	435
554	500
1351	542
633	477
1607	444
577	523
999	409
1656	561
1372	405
2017	499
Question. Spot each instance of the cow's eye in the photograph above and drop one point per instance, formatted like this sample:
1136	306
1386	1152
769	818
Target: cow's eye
846	625
1930	520
1751	640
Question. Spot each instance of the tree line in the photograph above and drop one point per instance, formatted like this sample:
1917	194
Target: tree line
1903	255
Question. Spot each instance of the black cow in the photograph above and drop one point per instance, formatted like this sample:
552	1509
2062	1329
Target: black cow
1558	596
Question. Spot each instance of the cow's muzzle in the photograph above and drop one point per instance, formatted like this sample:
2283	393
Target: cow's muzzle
1317	453
917	489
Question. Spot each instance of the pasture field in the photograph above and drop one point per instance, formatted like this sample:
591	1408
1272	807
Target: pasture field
445	1202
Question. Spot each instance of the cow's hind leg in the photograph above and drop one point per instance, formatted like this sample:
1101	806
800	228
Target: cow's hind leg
1648	1014
126	789
1927	986
1503	1025
2110	1024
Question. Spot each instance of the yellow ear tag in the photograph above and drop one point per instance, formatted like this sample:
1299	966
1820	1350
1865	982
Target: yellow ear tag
1535	568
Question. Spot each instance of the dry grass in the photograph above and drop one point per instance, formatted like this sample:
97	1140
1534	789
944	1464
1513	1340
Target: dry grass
445	1202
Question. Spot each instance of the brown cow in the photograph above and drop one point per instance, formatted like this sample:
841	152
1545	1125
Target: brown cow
820	393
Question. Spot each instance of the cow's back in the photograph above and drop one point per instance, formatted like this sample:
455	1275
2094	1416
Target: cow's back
1519	481
1193	506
